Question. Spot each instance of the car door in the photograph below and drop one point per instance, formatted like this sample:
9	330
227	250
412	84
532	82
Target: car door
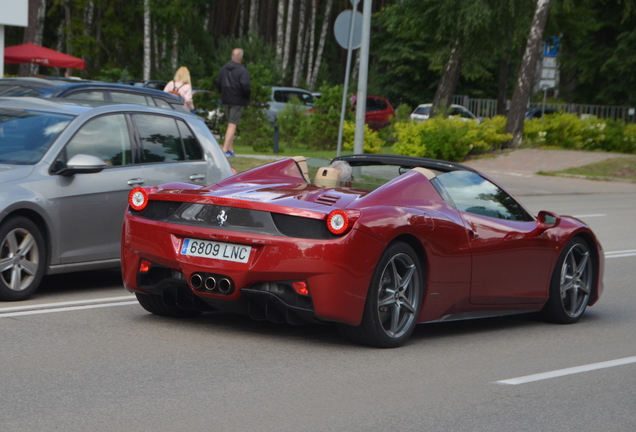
510	263
170	151
91	206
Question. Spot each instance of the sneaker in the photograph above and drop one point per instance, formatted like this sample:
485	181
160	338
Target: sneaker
229	154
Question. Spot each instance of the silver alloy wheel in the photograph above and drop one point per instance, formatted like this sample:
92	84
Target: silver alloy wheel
19	259
576	280
398	295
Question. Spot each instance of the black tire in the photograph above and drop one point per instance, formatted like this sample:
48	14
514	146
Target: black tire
22	258
155	305
571	283
394	300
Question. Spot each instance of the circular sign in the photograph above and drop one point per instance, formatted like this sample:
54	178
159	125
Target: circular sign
342	26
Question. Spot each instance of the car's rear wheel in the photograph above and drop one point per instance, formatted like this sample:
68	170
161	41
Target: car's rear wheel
154	304
22	258
393	302
571	284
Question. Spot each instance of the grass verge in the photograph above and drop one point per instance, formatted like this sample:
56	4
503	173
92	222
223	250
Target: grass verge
623	168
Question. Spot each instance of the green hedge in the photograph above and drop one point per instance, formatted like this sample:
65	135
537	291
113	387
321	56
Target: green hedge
449	139
454	139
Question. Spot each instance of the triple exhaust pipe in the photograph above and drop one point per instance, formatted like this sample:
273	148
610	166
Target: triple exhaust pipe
210	283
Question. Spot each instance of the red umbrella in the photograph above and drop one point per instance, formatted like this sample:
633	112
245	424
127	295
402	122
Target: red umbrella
32	53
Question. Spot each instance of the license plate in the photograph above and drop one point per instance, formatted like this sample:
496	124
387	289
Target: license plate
216	250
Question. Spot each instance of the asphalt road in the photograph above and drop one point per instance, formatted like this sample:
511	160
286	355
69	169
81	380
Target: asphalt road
81	356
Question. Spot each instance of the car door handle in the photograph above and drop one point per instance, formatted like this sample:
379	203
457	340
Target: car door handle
197	177
136	181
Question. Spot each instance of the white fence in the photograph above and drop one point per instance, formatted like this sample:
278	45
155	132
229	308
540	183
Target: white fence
488	108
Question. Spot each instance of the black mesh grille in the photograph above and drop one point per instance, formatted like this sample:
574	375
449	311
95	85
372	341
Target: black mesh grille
158	210
300	227
236	219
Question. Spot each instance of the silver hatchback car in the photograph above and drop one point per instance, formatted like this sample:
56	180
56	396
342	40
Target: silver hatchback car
66	169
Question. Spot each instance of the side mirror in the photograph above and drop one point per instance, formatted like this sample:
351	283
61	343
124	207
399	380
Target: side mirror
82	164
547	220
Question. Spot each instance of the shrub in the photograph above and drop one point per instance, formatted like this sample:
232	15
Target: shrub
449	139
290	121
320	129
372	141
388	134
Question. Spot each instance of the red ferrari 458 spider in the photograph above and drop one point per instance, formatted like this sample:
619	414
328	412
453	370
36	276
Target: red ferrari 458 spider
403	241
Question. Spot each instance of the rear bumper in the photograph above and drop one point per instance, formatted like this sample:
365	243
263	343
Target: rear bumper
337	272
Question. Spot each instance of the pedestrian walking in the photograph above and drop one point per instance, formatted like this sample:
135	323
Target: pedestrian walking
181	86
233	82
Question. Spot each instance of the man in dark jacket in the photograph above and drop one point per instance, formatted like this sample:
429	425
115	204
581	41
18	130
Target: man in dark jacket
233	82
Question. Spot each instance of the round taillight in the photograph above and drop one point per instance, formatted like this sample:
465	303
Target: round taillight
138	198
338	222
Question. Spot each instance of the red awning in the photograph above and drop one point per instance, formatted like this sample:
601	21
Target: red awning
32	53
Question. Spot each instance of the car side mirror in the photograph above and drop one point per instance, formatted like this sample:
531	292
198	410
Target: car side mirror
82	164
545	221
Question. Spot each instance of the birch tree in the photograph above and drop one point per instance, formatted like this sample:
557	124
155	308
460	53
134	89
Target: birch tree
523	89
33	34
321	45
288	35
147	33
253	23
280	31
311	41
300	44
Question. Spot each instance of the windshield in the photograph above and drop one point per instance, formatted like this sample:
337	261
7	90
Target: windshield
26	135
423	110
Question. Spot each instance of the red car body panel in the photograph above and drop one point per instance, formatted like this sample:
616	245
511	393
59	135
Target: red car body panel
471	264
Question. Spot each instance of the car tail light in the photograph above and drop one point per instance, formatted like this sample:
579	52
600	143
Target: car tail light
144	266
138	198
301	287
338	222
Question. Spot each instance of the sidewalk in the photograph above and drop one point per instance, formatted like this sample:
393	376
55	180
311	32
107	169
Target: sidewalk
516	171
531	161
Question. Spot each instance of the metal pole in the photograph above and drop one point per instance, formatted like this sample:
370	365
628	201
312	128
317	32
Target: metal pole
545	93
361	102
1	51
346	82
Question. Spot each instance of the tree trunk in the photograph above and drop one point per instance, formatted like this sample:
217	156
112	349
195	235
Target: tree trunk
450	78
35	25
175	48
502	91
311	41
321	45
280	31
514	125
300	44
98	36
241	26
69	31
155	46
288	34
253	24
147	33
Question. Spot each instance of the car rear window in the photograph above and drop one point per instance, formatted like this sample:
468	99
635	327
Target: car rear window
166	139
26	135
423	110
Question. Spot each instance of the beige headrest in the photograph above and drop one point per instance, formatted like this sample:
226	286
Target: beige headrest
302	164
327	176
426	172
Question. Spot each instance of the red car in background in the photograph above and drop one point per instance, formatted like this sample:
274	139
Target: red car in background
379	111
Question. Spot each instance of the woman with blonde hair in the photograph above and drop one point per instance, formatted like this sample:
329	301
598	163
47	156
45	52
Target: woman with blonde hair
181	86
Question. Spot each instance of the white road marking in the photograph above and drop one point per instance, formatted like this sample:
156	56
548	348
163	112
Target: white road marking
620	254
568	371
590	215
66	306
